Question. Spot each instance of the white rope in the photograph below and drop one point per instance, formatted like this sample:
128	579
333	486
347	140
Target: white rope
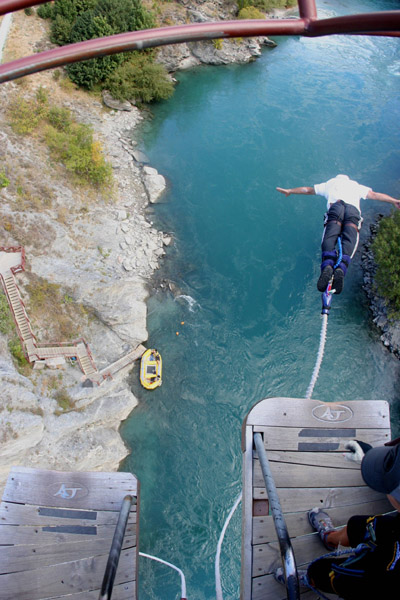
218	586
320	355
310	389
164	562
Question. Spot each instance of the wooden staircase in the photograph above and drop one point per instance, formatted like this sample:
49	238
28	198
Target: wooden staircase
17	307
11	261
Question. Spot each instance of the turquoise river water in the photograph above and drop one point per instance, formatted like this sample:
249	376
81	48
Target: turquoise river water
245	261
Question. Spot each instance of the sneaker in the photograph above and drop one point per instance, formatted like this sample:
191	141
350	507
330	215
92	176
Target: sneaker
324	278
279	575
322	523
338	279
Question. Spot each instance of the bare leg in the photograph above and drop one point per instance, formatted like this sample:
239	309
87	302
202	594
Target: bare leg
338	537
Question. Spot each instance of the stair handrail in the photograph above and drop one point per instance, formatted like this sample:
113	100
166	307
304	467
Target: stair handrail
115	550
287	554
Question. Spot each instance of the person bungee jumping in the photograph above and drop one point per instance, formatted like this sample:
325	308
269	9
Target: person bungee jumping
369	566
343	218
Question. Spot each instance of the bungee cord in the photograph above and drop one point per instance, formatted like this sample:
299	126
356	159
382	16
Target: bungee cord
326	304
320	356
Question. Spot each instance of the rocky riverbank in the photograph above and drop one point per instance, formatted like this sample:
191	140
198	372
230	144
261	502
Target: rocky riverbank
389	329
104	255
100	251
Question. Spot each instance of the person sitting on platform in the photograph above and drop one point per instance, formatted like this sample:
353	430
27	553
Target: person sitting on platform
370	567
343	219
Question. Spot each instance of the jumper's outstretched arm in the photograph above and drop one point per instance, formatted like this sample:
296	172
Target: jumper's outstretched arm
383	198
296	190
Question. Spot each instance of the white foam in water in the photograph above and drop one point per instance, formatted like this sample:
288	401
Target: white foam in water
191	301
394	69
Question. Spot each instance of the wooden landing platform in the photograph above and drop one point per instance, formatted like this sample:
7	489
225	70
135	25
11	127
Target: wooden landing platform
304	440
56	530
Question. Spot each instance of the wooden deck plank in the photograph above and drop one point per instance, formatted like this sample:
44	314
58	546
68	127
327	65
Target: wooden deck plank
123	591
57	534
284	412
297	475
67	578
266	557
23	514
56	531
322	459
14	559
307	498
95	490
305	442
298	524
289	438
266	588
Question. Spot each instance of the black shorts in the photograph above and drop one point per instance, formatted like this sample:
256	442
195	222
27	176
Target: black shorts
373	566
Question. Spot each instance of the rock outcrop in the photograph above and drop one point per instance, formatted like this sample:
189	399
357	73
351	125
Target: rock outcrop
100	247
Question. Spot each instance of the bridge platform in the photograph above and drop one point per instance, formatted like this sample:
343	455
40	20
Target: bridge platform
305	445
56	530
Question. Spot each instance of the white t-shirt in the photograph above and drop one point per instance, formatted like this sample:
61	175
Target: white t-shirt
343	188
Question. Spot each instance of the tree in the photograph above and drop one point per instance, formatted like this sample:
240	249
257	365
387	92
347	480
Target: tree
140	79
386	249
90	72
124	15
108	17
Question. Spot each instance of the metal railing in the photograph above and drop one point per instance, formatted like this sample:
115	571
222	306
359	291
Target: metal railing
287	554
115	551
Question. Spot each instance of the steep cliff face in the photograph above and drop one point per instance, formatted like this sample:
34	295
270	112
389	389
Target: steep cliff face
98	248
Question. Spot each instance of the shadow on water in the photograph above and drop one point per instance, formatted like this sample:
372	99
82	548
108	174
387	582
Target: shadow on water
244	263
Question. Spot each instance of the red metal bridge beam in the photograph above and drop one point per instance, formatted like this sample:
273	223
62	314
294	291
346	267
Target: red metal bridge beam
380	23
7	6
307	9
149	38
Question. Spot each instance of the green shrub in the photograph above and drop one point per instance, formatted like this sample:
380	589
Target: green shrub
15	348
80	20
71	9
90	72
64	401
60	30
80	154
250	12
140	79
124	15
28	11
70	142
60	118
26	114
386	249
6	320
45	11
266	5
4	181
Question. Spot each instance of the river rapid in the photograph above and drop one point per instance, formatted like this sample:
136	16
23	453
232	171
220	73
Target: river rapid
244	321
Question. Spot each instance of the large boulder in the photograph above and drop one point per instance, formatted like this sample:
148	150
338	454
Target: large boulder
115	104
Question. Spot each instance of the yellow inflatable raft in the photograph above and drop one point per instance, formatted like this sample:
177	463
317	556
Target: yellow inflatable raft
150	369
